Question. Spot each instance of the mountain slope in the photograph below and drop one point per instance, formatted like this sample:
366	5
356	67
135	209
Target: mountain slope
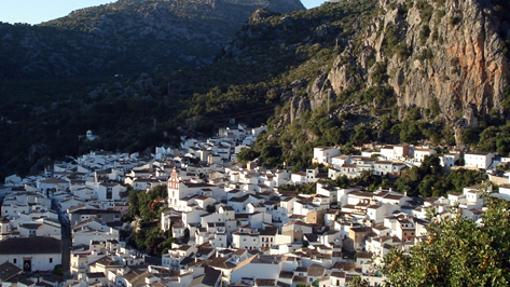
413	71
127	36
345	73
120	70
445	53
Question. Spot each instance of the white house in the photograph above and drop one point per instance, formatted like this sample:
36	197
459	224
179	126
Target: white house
93	230
53	184
110	191
13	180
43	227
340	160
387	152
448	160
247	239
503	192
478	160
474	196
421	153
32	254
399	152
298	177
323	155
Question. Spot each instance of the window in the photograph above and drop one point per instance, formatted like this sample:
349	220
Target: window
14	260
51	260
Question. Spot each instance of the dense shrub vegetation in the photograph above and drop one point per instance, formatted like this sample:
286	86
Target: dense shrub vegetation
457	252
145	210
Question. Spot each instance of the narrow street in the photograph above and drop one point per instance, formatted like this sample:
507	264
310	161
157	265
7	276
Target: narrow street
66	239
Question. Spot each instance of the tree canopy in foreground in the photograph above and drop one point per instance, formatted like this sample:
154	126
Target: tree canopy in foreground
457	252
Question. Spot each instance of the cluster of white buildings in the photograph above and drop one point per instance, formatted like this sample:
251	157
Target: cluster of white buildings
390	160
232	225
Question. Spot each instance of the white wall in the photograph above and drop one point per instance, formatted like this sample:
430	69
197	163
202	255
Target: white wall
40	262
256	271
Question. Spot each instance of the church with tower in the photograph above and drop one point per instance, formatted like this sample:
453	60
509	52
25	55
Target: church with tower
181	191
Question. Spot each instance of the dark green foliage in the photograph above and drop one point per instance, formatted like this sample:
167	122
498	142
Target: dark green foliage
58	270
357	281
389	130
308	188
457	252
435	109
410	132
42	119
270	153
430	179
492	135
394	42
145	205
362	134
146	208
487	142
368	180
246	155
494	138
126	37
379	74
471	135
506	102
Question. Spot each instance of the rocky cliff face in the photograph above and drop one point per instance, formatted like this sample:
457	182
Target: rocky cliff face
451	53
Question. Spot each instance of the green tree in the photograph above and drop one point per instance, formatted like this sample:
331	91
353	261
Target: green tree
147	207
246	155
357	281
487	142
362	134
457	252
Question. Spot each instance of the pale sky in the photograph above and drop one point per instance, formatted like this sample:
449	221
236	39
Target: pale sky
37	11
307	3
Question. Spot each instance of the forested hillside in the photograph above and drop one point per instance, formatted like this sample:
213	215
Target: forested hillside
345	73
414	72
120	70
125	37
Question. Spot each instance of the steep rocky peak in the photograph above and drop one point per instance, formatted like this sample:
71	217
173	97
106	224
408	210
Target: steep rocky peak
450	52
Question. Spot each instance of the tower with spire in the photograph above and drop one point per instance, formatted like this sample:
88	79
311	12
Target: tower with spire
173	187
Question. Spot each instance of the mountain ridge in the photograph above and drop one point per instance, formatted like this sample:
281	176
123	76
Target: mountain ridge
324	76
431	72
127	37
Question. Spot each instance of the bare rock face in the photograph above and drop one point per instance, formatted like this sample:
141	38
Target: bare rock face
344	74
321	91
451	51
298	106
